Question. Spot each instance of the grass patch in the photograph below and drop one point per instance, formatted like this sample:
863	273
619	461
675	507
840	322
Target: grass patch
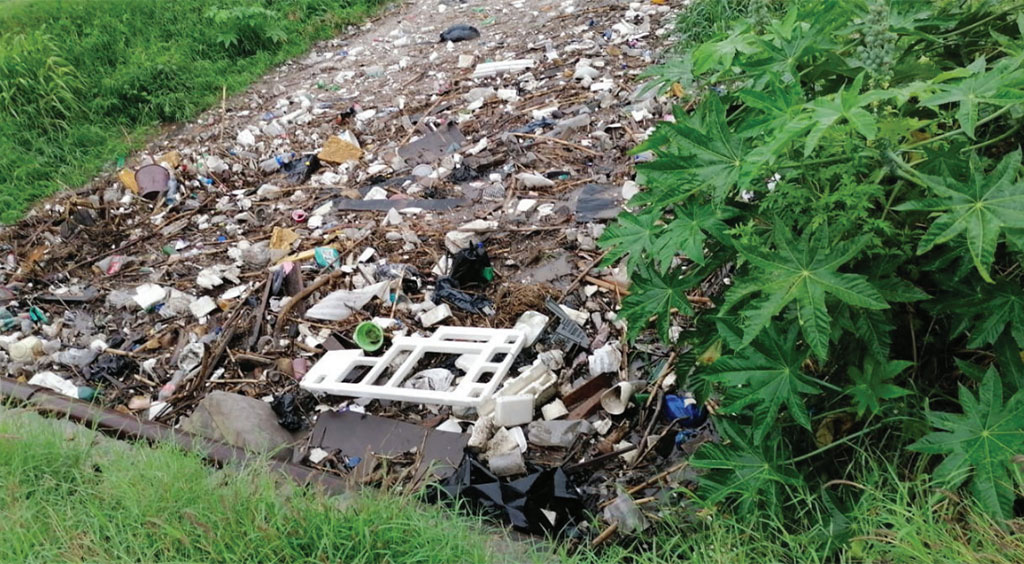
83	82
78	500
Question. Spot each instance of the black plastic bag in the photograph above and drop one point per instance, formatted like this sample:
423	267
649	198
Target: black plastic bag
471	267
521	502
298	171
286	408
460	32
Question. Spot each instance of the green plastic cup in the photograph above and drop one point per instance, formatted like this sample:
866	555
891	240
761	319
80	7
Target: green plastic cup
368	336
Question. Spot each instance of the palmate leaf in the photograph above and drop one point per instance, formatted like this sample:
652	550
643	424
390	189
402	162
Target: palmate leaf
989	312
981	209
747	471
846	105
697	153
688	232
630	236
656	295
803	272
769	375
980	443
872	384
721	53
1001	86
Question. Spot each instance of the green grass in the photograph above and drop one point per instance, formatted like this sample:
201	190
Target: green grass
68	498
84	81
79	500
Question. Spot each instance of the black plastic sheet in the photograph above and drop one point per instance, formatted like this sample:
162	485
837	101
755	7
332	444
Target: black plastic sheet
447	290
544	501
460	32
286	408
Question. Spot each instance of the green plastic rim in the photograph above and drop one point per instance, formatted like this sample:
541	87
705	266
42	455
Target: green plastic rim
368	336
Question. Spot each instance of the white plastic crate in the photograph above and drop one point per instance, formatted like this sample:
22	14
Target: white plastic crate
351	373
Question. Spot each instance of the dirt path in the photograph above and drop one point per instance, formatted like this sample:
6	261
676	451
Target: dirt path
182	296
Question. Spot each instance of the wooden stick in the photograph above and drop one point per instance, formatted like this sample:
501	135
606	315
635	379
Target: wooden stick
582	274
319	282
605	535
576	146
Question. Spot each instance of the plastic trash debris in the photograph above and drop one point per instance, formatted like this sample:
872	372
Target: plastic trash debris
447	290
299	171
554	410
148	295
615	400
605	359
500	67
532	324
684	409
54	382
152	181
26	350
532	180
431	147
368	336
363	436
624	513
544	501
352	373
286	408
275	163
472	267
341	304
435	315
560	434
460	32
510	411
568	332
436	379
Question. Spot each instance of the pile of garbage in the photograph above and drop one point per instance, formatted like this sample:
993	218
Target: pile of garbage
383	257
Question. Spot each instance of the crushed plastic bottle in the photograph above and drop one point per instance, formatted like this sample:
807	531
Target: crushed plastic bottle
274	164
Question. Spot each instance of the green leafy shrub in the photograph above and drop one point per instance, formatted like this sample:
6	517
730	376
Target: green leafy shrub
244	30
854	170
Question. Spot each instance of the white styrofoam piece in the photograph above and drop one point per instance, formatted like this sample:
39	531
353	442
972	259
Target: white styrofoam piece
498	67
511	411
342	373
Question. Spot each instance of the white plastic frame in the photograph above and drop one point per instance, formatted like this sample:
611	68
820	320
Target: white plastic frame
329	374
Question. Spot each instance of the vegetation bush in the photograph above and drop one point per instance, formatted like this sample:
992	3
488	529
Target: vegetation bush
81	81
855	169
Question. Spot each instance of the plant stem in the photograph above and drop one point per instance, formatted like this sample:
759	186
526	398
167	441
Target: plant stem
843	440
991	117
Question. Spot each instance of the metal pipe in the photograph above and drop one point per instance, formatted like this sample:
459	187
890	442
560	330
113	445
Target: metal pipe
121	426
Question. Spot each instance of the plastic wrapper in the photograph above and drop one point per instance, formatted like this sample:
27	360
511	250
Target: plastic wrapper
447	290
544	501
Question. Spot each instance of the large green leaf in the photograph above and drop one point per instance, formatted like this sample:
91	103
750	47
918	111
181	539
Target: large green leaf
630	236
747	471
697	153
721	53
803	272
689	230
1000	86
768	375
980	443
872	384
981	208
655	295
844	105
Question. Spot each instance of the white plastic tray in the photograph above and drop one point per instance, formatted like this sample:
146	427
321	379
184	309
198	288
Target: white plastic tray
341	373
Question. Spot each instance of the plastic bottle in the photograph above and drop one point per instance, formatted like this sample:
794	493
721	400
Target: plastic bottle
274	163
26	350
76	357
172	192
